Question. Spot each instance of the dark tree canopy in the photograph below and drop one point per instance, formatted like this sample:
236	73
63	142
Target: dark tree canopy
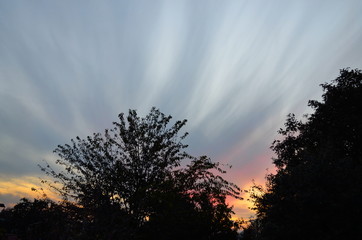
316	191
130	183
38	219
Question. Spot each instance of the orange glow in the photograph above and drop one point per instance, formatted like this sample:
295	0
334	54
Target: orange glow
244	177
22	187
242	208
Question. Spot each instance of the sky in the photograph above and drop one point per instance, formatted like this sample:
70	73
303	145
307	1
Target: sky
234	69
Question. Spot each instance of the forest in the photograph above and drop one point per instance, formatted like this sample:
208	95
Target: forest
137	181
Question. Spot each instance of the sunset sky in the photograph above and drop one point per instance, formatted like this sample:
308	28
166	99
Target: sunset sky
234	69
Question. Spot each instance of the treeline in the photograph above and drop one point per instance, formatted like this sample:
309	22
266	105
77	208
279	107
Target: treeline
136	181
316	192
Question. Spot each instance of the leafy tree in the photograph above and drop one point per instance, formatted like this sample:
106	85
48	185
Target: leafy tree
129	183
38	219
316	191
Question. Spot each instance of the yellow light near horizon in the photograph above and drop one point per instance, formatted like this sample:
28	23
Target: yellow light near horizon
242	208
22	187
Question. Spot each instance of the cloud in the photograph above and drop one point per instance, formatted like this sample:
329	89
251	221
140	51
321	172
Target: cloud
13	189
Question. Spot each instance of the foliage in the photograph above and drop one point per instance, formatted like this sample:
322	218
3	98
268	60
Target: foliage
38	219
316	191
130	183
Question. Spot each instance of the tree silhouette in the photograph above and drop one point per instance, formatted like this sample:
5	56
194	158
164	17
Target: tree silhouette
316	191
38	219
129	183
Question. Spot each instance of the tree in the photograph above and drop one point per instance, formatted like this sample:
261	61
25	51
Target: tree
130	179
316	191
37	219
